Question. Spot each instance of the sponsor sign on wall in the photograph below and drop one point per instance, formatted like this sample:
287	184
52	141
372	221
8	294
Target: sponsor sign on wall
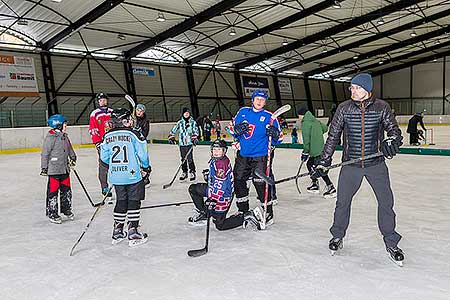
18	76
285	86
255	83
143	71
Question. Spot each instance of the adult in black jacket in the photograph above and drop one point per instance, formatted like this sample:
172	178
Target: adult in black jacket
142	121
412	128
363	121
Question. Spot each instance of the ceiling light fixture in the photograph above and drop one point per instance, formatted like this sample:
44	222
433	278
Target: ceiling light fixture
160	17
57	1
337	4
413	33
284	43
22	22
355	57
232	32
380	21
121	37
324	50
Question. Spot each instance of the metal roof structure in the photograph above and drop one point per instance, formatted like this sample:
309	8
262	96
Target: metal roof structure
316	38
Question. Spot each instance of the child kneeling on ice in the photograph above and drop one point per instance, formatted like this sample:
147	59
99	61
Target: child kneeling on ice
218	190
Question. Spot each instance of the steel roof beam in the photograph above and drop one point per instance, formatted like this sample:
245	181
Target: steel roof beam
265	30
186	25
90	17
367	40
381	51
329	32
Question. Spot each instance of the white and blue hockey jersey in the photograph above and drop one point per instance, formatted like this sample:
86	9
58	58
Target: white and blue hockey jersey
255	142
125	154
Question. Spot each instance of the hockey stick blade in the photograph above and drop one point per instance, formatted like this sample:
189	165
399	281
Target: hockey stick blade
263	176
281	111
197	252
131	100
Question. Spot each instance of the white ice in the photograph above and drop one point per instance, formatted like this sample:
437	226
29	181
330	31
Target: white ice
290	260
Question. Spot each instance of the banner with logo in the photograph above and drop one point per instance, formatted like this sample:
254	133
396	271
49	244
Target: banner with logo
18	76
143	71
285	86
255	83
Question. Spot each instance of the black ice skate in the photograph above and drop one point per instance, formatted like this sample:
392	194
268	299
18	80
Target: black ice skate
183	176
396	255
135	237
335	245
313	187
69	215
118	233
55	218
192	176
330	192
198	219
251	219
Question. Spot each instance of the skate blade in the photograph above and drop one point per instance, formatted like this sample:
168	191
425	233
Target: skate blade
117	241
333	252
197	224
313	192
56	221
330	196
135	243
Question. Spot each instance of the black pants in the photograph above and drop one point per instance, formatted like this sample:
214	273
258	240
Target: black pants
190	159
413	138
350	179
207	135
102	172
128	203
58	184
244	167
310	164
198	192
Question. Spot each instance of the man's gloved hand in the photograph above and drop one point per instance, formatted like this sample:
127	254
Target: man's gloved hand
304	157
391	146
241	128
205	173
320	168
146	173
44	172
210	204
172	139
72	163
273	132
97	146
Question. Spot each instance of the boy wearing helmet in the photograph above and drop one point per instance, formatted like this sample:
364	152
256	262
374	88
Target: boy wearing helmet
126	154
98	126
218	190
252	130
56	152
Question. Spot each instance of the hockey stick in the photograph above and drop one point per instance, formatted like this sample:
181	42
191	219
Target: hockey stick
167	185
167	204
277	113
100	205
133	104
297	179
204	250
84	188
270	181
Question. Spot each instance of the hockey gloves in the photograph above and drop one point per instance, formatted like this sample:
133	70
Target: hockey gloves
320	168
146	173
172	139
273	132
304	157
391	146
72	163
97	146
205	173
241	128
194	140
43	172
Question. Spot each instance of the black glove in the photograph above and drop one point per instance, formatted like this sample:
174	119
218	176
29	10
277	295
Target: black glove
391	146
72	163
194	140
97	146
172	140
320	168
146	173
305	156
205	173
273	132
241	128
43	172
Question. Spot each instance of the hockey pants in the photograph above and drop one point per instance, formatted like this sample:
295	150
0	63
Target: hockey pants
129	202
190	159
61	184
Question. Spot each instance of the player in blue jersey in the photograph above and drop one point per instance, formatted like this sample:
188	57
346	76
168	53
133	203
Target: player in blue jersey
252	129
218	190
127	157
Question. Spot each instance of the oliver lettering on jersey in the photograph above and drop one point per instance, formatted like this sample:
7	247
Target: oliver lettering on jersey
119	168
118	138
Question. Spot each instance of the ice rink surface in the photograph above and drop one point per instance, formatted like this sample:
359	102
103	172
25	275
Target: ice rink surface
290	260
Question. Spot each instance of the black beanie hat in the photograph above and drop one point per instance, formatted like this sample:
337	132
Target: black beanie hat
302	110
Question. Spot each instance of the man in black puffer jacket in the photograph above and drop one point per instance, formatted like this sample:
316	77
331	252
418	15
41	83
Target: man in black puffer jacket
363	122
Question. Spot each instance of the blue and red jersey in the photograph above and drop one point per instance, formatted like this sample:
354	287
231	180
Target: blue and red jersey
220	183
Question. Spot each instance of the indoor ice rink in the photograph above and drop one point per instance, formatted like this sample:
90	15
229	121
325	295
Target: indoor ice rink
76	62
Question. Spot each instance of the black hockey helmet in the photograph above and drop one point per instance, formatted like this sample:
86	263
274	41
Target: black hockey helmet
118	115
100	96
219	144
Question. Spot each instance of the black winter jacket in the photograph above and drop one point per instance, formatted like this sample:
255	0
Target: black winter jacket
144	125
363	125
